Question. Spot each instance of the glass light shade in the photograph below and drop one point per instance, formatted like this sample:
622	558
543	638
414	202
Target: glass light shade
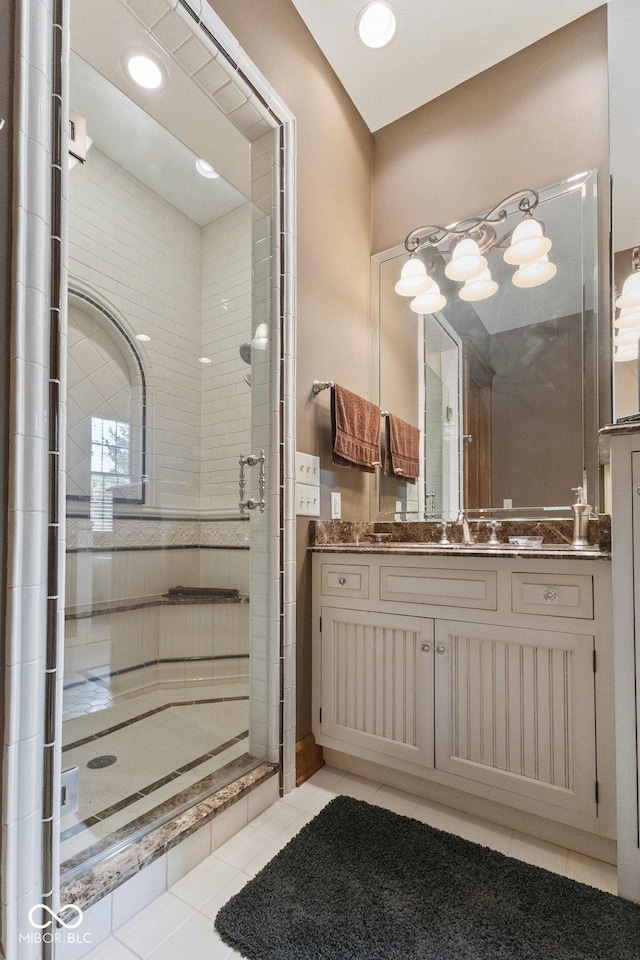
261	337
630	296
627	337
376	24
429	302
625	353
466	262
145	72
535	273
528	243
479	289
630	317
413	279
206	170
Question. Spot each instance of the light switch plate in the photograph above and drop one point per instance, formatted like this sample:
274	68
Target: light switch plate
307	469
307	500
336	505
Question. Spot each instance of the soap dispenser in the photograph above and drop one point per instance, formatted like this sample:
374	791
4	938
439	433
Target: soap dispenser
581	513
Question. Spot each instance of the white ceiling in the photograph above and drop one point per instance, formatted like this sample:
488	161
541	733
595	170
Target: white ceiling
140	145
438	45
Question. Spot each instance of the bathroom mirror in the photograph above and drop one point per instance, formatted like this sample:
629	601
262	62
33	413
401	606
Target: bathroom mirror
624	132
502	389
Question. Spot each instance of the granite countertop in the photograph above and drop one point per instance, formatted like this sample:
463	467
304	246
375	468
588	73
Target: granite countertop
549	551
614	430
82	611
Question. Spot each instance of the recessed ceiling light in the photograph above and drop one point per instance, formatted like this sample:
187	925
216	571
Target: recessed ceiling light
206	170
204	359
145	71
376	24
142	336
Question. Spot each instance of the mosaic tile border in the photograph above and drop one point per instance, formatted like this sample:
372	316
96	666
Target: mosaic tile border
153	532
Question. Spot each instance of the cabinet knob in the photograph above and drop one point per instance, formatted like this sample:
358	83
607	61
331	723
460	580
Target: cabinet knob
440	648
426	647
342	581
549	594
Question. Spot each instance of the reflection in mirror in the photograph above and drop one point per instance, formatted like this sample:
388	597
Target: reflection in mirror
523	411
623	32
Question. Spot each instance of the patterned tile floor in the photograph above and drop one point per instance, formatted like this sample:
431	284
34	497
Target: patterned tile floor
178	925
171	732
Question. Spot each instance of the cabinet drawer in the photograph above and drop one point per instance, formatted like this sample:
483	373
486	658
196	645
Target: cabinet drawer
555	596
475	589
340	580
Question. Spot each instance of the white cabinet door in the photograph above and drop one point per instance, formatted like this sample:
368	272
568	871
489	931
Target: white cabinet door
377	682
515	709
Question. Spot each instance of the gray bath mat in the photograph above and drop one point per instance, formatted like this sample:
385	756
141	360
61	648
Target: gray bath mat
361	883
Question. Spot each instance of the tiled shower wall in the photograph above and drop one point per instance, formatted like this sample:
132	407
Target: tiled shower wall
144	256
189	289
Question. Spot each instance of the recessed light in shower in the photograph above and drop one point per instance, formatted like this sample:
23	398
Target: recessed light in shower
376	24
206	170
142	336
145	70
204	359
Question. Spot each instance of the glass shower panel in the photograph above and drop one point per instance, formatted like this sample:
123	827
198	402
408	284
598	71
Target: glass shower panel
168	384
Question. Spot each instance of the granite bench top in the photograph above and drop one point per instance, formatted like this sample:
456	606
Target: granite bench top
103	607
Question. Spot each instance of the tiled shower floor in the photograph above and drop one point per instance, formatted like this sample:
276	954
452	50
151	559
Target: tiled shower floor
163	741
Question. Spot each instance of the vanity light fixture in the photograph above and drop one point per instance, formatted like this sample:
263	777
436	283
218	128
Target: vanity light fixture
480	288
430	301
413	278
535	273
145	70
206	170
628	320
376	24
630	296
468	241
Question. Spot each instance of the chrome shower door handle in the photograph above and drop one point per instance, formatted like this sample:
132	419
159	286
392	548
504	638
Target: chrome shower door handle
251	460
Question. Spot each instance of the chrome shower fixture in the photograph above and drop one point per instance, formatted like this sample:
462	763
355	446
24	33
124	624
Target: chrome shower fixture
245	352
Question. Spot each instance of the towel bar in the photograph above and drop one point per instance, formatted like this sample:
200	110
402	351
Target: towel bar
319	385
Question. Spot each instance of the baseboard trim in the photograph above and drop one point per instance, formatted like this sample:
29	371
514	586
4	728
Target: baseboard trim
309	758
572	838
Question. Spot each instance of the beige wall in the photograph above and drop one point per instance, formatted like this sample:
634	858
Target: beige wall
334	231
534	119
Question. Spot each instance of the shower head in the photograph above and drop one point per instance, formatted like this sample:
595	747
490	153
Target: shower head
245	352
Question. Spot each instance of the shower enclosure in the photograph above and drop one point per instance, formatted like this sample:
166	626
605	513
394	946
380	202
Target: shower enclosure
167	579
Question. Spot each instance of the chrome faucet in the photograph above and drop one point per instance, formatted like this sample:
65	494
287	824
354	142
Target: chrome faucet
467	536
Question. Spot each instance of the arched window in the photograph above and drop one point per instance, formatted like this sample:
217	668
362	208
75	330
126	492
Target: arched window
106	410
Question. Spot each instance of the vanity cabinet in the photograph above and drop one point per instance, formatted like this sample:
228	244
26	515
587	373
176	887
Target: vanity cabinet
483	675
621	446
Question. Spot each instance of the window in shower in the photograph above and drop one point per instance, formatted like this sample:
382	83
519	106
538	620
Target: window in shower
167	586
110	463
